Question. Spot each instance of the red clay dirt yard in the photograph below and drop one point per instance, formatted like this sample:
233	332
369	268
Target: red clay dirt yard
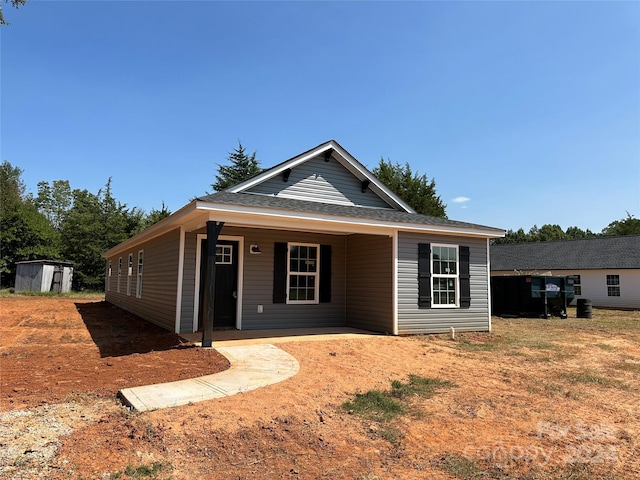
535	399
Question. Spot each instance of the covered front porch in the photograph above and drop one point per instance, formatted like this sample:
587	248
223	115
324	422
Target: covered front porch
352	284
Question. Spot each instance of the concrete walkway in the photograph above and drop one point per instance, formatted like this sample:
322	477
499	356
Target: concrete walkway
252	366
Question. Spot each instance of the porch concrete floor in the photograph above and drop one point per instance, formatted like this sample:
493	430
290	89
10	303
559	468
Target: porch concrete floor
279	335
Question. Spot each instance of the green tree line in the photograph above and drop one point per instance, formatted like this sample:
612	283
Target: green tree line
547	233
61	223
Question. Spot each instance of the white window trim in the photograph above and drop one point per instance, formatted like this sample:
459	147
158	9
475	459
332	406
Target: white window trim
109	277
139	271
119	274
446	275
129	273
316	274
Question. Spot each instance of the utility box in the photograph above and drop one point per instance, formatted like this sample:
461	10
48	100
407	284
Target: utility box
534	296
43	276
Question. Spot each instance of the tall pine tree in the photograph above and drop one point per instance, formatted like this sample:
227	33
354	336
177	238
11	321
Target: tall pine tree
241	167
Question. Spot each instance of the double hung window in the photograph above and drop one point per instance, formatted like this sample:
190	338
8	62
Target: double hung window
139	282
445	289
303	273
129	273
613	285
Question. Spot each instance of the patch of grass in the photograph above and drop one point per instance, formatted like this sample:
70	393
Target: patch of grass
391	434
418	386
374	405
10	292
487	346
590	378
142	471
627	367
467	468
605	347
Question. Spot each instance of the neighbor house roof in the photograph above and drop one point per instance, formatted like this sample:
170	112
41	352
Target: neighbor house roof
585	254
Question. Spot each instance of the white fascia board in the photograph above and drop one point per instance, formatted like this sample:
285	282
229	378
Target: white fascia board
165	225
274	171
303	221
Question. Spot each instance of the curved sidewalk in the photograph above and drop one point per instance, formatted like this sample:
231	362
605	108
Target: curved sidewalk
252	366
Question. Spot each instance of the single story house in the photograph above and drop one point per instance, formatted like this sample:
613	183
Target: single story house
605	270
316	241
43	276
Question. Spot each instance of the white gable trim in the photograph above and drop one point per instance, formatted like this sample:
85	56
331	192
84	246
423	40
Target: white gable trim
345	159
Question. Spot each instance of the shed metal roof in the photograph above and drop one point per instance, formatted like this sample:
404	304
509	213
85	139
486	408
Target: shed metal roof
596	253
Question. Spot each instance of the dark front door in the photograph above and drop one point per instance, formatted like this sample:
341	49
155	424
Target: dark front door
225	303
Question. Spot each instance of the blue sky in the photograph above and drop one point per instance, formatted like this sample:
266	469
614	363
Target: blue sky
523	112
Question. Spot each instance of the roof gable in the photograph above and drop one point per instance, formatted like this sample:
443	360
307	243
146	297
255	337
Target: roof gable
585	254
325	174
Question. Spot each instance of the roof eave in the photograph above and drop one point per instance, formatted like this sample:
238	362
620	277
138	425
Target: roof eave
165	225
276	218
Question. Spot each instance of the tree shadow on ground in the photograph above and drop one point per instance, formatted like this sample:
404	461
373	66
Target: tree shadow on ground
117	332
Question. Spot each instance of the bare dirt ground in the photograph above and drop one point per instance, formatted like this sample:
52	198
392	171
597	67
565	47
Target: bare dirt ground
535	399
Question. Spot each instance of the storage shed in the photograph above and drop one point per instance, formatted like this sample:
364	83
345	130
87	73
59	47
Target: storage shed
43	276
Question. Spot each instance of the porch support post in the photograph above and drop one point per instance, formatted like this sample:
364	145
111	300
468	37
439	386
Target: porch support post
213	230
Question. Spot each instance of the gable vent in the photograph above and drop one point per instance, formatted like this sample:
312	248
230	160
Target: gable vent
327	155
365	185
285	175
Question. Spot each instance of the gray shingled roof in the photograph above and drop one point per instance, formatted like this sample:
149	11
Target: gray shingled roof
287	204
585	254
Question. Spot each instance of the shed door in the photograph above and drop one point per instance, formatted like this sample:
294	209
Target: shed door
56	283
226	296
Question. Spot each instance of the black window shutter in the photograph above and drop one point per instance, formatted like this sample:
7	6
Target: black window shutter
465	282
325	273
424	275
280	272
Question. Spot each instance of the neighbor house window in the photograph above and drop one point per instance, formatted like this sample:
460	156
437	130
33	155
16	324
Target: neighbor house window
139	282
129	273
119	274
303	273
444	268
109	276
577	287
613	285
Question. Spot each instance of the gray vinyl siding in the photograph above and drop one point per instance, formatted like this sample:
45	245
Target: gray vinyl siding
188	283
320	181
414	320
258	282
159	280
369	283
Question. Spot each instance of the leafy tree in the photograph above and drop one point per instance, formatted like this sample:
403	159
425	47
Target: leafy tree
94	224
16	4
25	234
625	226
155	215
416	190
54	200
576	233
241	168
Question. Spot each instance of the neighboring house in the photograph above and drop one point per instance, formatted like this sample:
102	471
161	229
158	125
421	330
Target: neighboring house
43	276
606	270
316	241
